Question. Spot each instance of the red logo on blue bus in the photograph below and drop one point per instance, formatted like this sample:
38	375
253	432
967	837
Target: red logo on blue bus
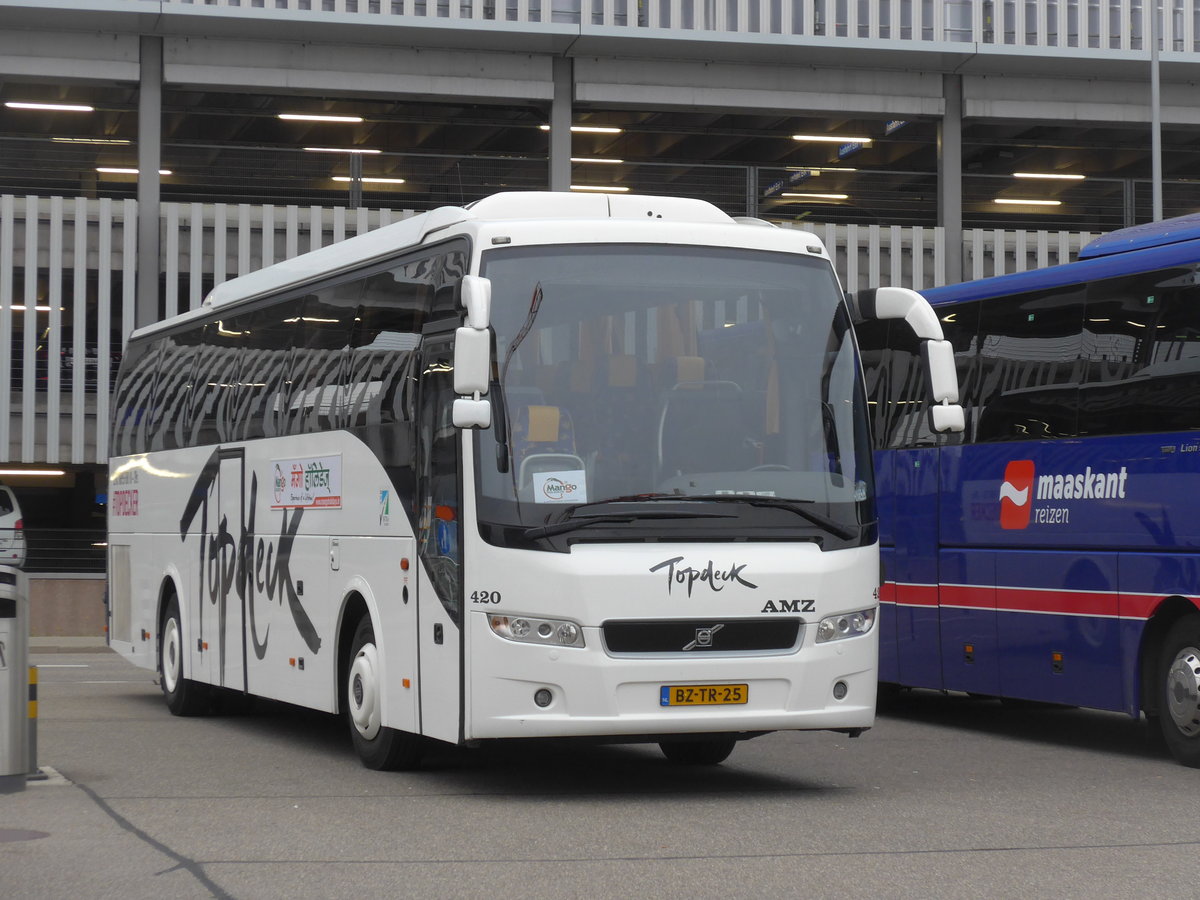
1016	494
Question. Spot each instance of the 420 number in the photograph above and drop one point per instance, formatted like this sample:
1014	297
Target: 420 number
485	597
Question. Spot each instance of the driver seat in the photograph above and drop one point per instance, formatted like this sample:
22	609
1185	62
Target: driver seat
701	429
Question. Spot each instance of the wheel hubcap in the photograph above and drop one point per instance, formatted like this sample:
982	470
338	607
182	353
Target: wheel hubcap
364	692
1183	691
171	654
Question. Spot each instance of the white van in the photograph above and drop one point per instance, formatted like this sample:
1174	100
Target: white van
12	529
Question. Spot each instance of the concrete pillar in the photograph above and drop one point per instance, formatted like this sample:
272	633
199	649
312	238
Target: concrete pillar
560	124
752	191
356	183
950	175
1156	186
149	144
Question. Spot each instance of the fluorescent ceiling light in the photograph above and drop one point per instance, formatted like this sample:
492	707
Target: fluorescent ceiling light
57	107
85	140
588	159
306	117
589	129
115	170
611	188
340	150
365	180
1015	202
11	472
818	196
1054	175
21	307
817	170
831	138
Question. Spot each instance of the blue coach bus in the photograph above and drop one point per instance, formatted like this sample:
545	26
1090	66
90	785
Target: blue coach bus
1051	552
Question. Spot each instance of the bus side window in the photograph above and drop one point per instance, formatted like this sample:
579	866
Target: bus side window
392	311
265	387
134	400
214	396
960	325
321	343
872	337
896	384
1030	365
443	273
908	392
173	389
1143	343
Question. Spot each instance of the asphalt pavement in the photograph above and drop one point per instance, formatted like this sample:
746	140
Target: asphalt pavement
948	796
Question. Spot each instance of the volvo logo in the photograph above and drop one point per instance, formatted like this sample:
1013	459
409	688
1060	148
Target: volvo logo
704	637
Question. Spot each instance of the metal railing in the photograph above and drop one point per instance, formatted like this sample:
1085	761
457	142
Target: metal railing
85	258
1095	24
65	551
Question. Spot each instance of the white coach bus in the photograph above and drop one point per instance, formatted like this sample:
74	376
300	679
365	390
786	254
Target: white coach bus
548	465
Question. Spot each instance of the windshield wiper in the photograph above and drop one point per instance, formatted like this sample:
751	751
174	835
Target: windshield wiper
845	532
628	498
498	386
569	524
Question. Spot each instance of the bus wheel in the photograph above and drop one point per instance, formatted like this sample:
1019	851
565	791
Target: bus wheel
378	747
1179	681
184	696
700	752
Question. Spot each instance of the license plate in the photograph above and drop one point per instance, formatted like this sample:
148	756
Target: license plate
703	694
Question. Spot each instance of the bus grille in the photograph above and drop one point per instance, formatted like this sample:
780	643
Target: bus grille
691	636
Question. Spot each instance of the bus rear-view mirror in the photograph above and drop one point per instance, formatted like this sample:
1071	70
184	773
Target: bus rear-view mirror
473	356
469	413
943	377
937	353
476	297
947	417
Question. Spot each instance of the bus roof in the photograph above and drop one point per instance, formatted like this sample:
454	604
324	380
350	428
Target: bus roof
1143	248
530	207
507	206
1141	237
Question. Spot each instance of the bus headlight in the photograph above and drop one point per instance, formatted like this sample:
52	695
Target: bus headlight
530	630
846	625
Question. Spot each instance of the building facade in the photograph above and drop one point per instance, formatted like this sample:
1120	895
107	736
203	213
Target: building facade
150	149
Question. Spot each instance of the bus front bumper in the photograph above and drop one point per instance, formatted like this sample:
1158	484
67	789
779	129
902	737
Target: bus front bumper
519	690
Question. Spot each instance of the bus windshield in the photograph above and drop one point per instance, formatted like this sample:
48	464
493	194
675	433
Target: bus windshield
672	392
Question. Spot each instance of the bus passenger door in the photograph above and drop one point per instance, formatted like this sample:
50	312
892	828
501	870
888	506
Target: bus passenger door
889	666
213	519
913	567
967	603
969	513
227	606
439	545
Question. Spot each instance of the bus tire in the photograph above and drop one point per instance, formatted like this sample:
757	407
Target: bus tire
184	697
698	752
1179	690
378	747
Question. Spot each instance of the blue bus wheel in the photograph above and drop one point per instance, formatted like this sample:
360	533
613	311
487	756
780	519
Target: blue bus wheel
1179	683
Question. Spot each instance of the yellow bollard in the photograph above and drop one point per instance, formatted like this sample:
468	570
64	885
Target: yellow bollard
35	774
